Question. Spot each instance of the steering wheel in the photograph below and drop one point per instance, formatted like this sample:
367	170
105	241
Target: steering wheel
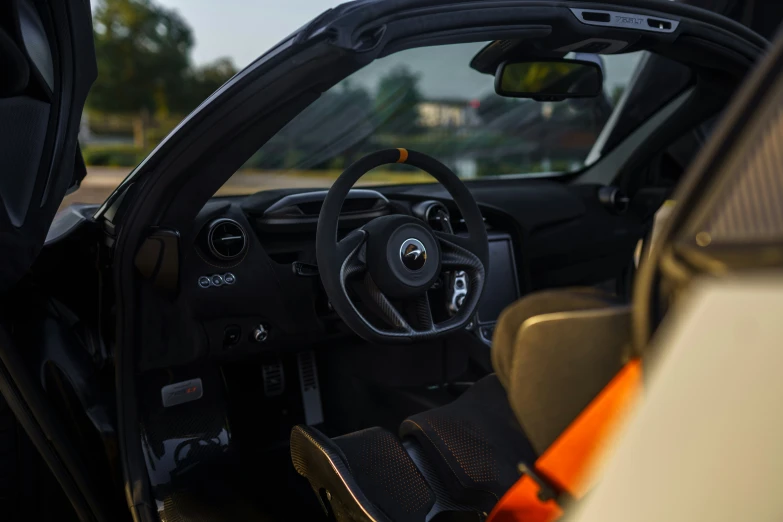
392	261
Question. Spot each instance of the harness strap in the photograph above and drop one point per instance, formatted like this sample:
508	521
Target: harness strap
568	467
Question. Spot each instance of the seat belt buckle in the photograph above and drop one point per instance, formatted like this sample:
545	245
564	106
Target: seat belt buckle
545	490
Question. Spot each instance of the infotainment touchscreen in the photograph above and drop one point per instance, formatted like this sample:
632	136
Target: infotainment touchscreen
501	288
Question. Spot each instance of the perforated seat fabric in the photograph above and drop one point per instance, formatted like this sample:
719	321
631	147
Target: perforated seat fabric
386	473
367	475
474	444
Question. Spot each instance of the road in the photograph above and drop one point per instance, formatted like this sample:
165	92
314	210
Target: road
101	181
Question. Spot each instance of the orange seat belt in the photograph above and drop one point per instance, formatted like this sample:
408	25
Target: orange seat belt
567	466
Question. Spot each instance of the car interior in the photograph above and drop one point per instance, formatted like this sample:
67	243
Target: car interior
380	351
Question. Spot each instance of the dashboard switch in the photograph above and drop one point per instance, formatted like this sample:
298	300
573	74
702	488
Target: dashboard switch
204	282
217	280
304	269
457	290
261	333
231	335
229	278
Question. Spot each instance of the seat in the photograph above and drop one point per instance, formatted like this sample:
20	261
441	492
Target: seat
553	352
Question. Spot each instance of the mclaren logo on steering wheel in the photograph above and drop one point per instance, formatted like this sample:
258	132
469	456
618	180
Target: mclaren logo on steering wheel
413	254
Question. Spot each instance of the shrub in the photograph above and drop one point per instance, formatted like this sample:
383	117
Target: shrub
113	155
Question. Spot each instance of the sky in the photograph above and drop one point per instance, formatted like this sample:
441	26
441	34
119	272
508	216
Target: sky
244	29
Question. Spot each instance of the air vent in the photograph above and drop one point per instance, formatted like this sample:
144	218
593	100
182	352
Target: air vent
592	16
664	25
226	239
625	20
304	208
438	218
435	214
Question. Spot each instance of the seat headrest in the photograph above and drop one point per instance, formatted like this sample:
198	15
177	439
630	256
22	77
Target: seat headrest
554	351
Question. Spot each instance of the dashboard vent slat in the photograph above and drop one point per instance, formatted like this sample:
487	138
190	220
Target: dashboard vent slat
226	239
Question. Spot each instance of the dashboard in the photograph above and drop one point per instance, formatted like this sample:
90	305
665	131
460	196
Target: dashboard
251	278
248	279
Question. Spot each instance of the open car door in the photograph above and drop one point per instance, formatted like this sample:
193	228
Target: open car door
47	65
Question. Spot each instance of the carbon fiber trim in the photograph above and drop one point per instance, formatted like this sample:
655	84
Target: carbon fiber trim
751	206
424	312
319	460
384	305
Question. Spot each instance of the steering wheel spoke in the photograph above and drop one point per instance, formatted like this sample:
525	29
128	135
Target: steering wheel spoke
384	307
424	313
349	252
456	254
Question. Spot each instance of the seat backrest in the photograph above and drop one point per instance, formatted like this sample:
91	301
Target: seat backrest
554	352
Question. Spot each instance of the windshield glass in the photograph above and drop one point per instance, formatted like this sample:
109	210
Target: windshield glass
430	100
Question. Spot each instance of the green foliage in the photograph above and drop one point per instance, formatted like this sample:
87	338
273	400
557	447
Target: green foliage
143	53
200	82
617	93
113	155
397	100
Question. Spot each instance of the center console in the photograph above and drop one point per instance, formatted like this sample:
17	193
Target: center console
500	290
502	287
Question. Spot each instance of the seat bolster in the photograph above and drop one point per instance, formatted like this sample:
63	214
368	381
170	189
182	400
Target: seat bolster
374	458
504	340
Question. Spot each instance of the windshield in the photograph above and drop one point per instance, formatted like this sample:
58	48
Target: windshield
430	100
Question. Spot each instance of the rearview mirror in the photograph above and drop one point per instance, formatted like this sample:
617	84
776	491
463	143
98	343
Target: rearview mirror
551	80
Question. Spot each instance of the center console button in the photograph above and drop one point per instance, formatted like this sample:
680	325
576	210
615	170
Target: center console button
217	280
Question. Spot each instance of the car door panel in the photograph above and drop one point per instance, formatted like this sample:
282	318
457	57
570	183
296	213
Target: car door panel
48	59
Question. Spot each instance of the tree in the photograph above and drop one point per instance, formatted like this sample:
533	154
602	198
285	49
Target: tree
617	93
143	55
330	133
202	81
397	100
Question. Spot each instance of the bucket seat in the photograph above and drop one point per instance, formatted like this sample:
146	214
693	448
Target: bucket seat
553	352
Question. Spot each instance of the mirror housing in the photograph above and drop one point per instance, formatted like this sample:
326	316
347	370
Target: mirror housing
549	80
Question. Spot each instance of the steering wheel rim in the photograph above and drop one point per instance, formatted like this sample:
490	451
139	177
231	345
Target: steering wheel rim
343	260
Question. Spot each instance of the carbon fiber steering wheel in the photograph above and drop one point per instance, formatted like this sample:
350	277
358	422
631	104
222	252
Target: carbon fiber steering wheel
383	270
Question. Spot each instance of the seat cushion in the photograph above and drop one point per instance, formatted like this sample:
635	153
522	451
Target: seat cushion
386	473
362	476
474	444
